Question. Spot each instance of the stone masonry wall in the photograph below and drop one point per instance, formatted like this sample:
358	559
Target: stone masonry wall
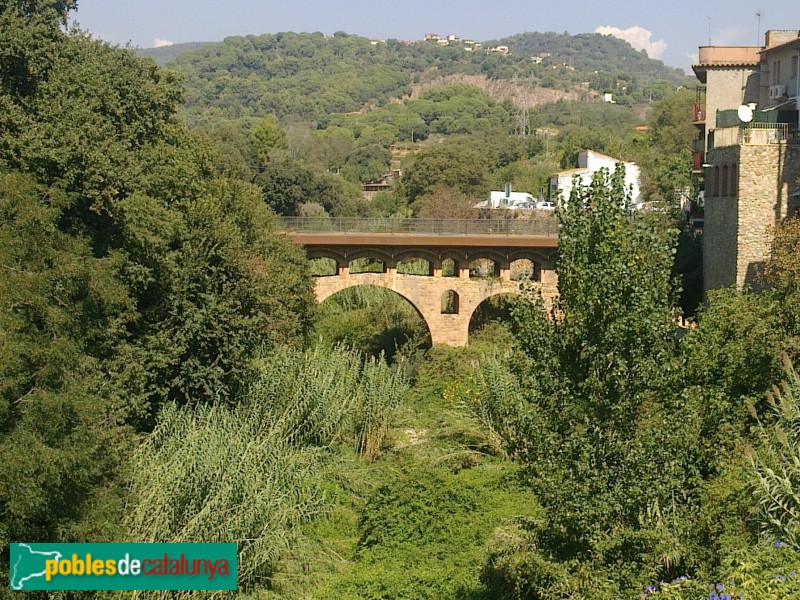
425	293
767	177
721	227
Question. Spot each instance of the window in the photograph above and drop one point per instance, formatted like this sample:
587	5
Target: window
793	74
450	303
776	72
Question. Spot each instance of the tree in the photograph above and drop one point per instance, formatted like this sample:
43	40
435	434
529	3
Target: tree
459	167
131	275
782	268
267	136
598	432
615	300
63	316
367	163
233	288
667	160
445	203
332	147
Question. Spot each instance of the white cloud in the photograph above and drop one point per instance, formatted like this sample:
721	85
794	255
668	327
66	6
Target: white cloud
694	57
729	36
161	43
638	37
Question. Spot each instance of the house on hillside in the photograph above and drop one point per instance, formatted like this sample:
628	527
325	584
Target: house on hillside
385	184
589	163
748	152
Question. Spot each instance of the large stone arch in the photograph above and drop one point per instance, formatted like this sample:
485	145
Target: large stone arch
488	297
425	292
329	294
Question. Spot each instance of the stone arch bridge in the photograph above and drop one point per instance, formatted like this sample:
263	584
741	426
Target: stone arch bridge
458	263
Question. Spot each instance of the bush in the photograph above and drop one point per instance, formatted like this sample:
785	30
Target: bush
251	473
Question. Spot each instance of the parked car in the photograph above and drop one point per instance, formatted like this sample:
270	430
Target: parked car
546	205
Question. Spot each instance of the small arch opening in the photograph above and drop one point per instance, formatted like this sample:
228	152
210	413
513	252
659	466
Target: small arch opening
525	269
449	268
414	266
367	265
323	267
483	268
450	303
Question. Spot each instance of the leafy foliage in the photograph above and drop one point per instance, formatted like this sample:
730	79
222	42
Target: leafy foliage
453	166
133	276
610	62
311	75
63	313
210	474
604	445
251	473
667	160
373	320
777	461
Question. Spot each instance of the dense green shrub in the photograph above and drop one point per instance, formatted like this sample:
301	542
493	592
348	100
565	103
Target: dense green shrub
252	473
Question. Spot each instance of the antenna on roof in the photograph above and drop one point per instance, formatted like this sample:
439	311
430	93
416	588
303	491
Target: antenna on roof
759	14
709	30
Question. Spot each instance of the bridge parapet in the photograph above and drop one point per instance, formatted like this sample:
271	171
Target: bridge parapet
543	226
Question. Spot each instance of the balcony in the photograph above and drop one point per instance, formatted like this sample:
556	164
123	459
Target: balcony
756	134
698	113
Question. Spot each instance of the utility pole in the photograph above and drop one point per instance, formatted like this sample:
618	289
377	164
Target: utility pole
523	127
759	13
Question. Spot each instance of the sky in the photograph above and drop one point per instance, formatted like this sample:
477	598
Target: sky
670	30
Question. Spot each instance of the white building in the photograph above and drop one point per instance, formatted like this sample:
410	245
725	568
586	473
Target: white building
507	199
589	163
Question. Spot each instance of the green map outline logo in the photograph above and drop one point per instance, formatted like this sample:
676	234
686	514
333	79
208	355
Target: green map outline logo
123	566
15	566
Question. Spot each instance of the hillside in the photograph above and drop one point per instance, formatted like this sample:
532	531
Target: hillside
166	54
591	52
306	76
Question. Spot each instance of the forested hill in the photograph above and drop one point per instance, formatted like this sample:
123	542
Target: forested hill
166	54
308	75
591	53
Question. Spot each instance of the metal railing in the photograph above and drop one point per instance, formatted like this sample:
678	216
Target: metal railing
536	225
755	134
698	112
